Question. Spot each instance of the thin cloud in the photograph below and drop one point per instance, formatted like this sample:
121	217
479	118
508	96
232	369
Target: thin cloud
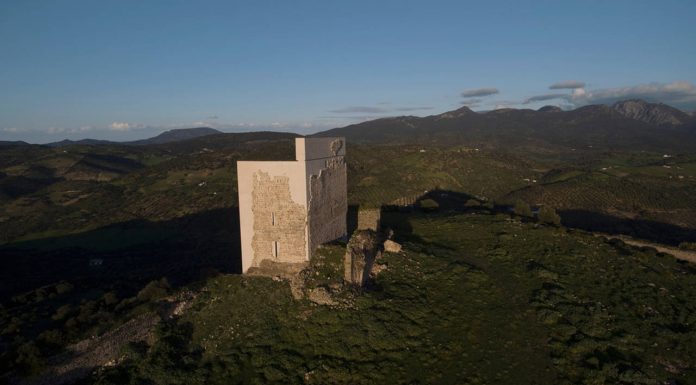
681	94
544	97
13	129
478	92
569	84
120	126
412	108
55	130
471	102
351	117
124	126
377	110
359	110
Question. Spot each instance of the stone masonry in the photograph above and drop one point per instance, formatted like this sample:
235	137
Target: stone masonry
288	208
278	221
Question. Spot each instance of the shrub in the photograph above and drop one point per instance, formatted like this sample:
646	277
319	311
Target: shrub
110	298
154	290
62	312
549	216
472	203
51	338
64	287
29	360
428	205
688	246
522	209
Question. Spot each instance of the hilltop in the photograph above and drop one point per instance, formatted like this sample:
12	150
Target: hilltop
654	113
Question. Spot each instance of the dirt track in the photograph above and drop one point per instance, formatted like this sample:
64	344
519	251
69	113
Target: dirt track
684	255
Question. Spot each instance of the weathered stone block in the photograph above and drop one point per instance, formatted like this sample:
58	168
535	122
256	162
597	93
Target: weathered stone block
361	252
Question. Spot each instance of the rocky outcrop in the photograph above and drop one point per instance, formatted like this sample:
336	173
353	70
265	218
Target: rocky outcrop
321	296
654	113
391	246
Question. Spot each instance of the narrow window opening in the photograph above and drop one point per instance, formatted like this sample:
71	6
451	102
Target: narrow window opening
275	249
273	219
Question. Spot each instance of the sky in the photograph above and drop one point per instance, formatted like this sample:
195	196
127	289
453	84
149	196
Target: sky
123	70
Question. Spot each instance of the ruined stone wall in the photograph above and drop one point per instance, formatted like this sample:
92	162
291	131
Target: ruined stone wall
362	251
369	218
279	222
328	200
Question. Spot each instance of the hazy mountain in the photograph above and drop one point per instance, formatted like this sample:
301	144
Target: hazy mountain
177	135
170	136
596	126
654	113
87	142
13	143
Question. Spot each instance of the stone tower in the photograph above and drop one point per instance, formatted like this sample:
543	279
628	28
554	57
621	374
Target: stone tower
288	208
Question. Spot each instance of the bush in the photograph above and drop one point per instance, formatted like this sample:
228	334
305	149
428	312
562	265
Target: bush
110	298
522	209
428	205
64	287
51	338
688	246
153	290
549	216
29	360
472	203
62	312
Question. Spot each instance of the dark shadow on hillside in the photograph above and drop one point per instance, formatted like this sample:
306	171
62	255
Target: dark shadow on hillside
639	228
448	203
129	253
352	218
452	203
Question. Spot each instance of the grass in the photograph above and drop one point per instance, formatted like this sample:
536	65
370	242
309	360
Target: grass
473	299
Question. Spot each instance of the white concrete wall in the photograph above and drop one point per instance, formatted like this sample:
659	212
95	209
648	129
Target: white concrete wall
318	148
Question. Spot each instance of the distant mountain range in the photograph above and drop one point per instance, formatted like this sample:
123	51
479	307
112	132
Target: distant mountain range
634	124
170	136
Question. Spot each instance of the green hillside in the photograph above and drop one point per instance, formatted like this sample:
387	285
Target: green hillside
471	296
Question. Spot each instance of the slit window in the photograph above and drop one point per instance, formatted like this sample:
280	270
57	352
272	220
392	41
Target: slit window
273	219
275	249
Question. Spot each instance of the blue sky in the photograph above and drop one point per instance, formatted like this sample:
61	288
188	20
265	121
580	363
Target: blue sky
130	69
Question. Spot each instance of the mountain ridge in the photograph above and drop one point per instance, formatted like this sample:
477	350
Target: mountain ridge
655	113
169	136
592	126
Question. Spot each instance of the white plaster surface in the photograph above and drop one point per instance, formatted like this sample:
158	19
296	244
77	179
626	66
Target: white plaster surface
318	159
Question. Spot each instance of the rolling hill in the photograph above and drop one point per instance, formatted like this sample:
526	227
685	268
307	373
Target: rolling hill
169	136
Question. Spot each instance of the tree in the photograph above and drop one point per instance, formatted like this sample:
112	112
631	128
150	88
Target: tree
549	216
522	209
